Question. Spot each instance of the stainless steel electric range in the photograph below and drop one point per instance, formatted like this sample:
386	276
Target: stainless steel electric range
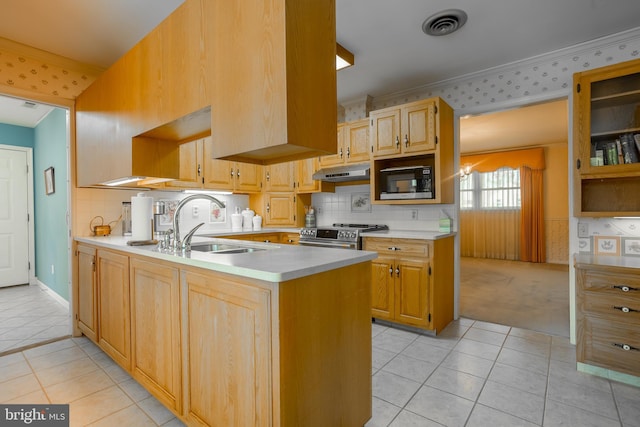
346	236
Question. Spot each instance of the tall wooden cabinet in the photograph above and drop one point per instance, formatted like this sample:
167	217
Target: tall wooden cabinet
606	127
353	144
412	281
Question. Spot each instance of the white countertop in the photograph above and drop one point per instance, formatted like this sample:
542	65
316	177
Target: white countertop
409	234
608	260
278	263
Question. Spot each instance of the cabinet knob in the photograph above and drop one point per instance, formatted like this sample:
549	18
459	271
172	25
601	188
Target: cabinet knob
625	309
626	347
268	176
391	270
231	172
268	208
397	141
397	272
341	152
237	173
624	288
406	140
348	152
199	170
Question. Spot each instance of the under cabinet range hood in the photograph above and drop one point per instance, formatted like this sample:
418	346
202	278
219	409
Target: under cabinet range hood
357	172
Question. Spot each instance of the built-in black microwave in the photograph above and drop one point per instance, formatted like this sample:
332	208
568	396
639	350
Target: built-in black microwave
407	182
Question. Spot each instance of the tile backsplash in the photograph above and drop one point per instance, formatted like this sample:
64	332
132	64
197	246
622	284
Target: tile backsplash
351	204
610	236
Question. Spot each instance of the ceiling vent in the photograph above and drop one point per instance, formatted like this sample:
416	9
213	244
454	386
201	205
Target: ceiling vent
445	22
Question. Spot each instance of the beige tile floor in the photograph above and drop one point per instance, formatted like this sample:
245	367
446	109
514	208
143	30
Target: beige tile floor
28	316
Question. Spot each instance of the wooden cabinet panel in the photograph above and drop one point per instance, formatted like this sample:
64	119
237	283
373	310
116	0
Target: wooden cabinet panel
219	174
248	177
229	342
280	209
87	309
280	177
383	289
419	128
155	330
385	132
357	142
113	306
191	166
412	292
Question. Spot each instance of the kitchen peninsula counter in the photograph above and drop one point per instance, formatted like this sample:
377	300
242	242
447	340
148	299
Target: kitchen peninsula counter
276	263
275	337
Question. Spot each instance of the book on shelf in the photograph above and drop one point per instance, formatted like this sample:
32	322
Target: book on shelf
619	150
636	138
629	151
612	154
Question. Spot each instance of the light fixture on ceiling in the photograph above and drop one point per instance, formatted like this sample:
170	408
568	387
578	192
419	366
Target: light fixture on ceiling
344	58
465	171
445	22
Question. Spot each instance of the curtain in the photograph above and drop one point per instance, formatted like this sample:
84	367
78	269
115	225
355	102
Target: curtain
490	233
532	243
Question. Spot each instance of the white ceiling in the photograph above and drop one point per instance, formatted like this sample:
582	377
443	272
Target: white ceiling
392	53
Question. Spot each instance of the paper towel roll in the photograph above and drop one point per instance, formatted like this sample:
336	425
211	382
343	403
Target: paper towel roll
141	215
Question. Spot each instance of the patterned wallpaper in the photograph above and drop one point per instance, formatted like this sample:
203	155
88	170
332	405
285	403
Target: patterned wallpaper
536	77
29	69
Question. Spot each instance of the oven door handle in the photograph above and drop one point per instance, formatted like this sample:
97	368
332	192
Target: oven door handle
328	244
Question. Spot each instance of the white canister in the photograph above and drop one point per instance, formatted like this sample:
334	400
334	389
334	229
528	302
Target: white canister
257	222
247	219
141	217
236	221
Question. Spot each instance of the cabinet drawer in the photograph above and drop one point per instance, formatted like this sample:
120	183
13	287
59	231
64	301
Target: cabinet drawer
615	284
612	345
612	307
398	246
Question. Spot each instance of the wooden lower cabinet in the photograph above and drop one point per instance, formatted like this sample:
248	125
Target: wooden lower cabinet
223	350
114	327
228	343
155	330
608	316
87	291
412	281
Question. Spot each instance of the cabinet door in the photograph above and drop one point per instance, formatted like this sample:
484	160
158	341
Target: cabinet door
218	174
191	167
290	238
279	177
248	178
412	291
357	143
385	132
382	291
305	170
155	330
338	158
280	209
114	329
228	337
87	292
418	128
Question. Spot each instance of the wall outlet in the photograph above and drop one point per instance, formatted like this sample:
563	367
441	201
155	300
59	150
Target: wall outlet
195	211
583	229
414	213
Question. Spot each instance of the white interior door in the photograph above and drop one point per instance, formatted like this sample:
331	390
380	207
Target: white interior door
14	224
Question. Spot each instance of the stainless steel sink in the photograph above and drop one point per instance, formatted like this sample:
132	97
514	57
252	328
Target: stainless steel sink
222	248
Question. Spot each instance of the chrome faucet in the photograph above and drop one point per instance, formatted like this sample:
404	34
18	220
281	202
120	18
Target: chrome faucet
178	244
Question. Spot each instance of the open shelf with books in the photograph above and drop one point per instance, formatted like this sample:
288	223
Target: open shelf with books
607	141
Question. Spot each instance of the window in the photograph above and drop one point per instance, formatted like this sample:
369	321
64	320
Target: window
491	190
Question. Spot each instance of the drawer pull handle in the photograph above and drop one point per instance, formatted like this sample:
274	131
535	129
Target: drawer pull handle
625	309
624	288
393	248
626	347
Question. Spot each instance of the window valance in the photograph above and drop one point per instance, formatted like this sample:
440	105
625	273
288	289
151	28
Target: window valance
532	158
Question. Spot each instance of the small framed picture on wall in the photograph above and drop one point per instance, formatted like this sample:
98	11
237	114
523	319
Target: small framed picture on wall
49	181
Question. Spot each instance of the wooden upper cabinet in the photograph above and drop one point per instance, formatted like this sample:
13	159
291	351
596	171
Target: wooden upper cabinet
406	129
275	56
191	166
607	141
353	144
280	177
228	175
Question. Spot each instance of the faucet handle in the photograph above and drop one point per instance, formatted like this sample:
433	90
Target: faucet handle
186	242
